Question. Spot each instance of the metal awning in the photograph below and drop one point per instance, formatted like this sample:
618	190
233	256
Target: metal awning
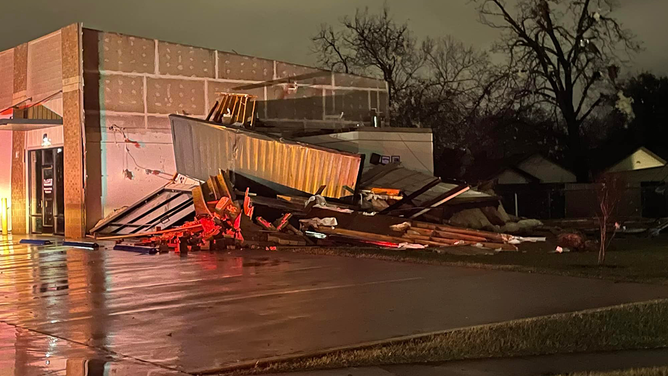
27	115
163	208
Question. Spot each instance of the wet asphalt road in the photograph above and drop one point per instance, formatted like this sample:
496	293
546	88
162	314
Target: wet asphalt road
64	310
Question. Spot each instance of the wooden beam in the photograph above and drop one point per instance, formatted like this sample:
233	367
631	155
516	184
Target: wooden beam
225	185
411	196
212	111
485	234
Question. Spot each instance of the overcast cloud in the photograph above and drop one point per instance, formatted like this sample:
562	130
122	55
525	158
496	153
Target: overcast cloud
280	29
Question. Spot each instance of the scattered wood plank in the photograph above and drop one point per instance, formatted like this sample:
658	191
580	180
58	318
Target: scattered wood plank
445	235
282	222
212	111
293	230
459	236
212	183
265	224
361	235
201	207
501	238
411	196
424	238
222	204
225	184
386	191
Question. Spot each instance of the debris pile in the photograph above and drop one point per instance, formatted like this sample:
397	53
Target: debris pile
256	191
231	216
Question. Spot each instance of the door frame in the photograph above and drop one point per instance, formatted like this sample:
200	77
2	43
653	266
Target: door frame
27	165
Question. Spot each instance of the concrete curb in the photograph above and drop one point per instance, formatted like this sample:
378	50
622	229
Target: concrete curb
246	365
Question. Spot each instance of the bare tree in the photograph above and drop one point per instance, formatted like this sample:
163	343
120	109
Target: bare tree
562	51
609	192
372	44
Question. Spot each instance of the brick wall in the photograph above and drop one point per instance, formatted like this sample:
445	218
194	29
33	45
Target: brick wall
18	184
6	78
75	172
135	83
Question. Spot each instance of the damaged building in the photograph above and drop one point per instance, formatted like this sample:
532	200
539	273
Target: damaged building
85	127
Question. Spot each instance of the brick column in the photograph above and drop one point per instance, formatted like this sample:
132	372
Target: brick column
74	177
19	199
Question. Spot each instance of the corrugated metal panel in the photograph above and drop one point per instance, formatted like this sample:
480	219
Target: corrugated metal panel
201	149
45	68
6	78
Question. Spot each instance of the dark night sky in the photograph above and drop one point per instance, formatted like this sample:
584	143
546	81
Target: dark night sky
280	29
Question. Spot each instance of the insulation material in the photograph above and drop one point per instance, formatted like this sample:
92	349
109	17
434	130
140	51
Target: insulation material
180	60
201	149
239	67
473	219
168	96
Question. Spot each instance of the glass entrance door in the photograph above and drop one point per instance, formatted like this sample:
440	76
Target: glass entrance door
47	207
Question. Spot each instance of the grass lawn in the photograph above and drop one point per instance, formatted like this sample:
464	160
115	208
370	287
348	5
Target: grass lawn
631	326
631	259
661	371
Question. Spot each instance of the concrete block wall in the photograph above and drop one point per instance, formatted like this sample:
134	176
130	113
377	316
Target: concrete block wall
135	83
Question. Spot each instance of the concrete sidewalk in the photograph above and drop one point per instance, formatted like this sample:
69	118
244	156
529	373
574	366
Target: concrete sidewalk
527	366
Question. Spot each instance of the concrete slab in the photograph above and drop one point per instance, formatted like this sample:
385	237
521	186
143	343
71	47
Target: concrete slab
211	310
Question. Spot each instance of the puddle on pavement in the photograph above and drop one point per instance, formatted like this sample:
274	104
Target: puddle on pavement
27	353
70	293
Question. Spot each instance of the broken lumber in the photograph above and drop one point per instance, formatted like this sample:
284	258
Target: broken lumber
264	223
282	222
454	235
199	202
425	238
222	204
212	111
369	237
225	184
293	229
359	235
446	235
484	234
412	196
212	183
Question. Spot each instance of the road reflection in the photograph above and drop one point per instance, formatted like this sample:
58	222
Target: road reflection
67	311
